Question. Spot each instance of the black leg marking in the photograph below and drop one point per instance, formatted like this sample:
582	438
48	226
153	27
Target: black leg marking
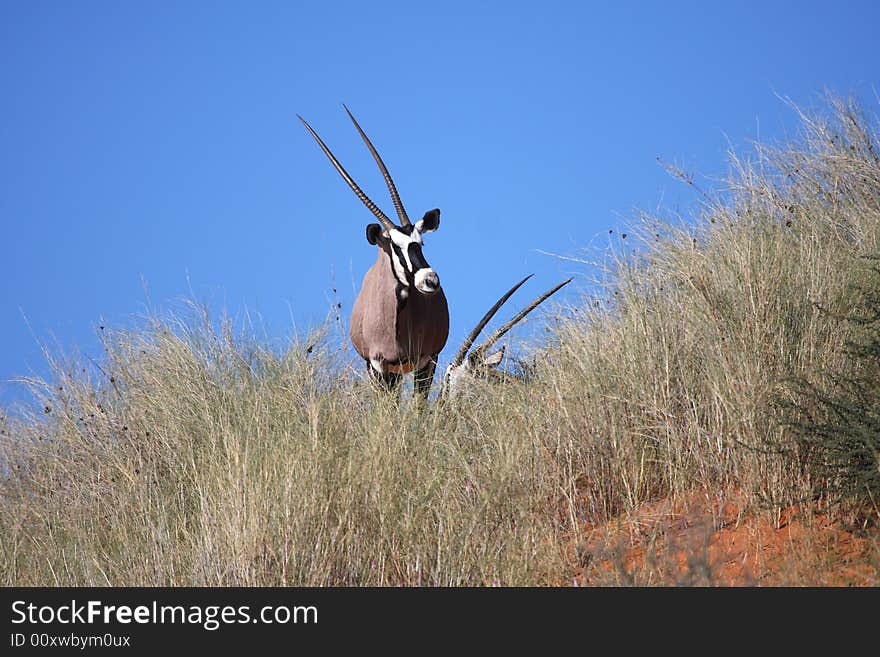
424	377
388	381
391	381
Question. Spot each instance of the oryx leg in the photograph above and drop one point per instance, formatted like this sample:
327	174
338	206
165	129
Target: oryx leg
388	381
424	377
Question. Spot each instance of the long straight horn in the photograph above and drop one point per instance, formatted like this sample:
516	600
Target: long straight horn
381	216
497	335
395	197
462	352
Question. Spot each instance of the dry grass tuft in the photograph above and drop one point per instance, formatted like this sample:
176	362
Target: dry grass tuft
198	456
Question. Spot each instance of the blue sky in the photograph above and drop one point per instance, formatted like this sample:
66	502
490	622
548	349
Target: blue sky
154	146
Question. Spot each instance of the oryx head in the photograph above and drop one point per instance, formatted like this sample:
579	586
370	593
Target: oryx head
479	362
402	243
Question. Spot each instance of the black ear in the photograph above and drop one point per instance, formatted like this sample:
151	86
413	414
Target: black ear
429	222
374	232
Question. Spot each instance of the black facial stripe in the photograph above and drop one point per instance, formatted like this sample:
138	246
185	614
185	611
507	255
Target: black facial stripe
398	254
416	258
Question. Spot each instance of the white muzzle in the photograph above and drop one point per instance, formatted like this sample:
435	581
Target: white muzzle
427	281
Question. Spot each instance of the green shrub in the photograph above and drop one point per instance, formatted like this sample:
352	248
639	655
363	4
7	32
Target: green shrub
198	455
837	420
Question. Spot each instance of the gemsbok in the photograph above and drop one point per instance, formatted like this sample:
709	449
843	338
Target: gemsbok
478	364
400	320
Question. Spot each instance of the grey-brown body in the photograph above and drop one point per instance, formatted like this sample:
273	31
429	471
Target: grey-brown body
400	320
397	335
